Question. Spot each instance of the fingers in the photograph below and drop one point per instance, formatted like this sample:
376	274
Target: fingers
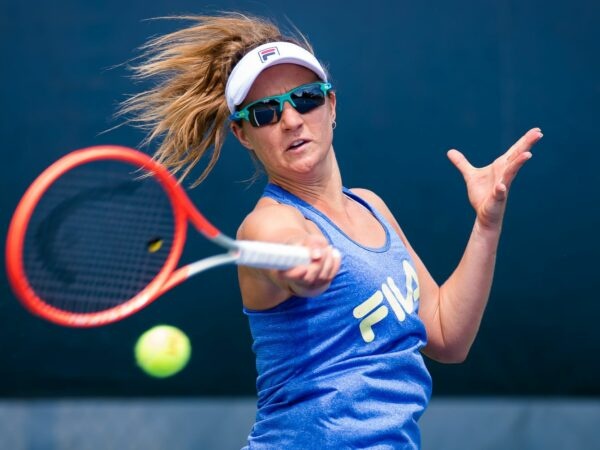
459	160
320	271
310	279
513	155
524	144
518	155
330	266
514	166
500	192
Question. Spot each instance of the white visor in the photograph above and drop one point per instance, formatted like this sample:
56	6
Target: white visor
258	59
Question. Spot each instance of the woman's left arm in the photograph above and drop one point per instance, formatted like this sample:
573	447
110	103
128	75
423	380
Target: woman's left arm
463	297
453	311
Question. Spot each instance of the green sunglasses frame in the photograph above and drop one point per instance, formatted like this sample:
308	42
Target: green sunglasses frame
244	113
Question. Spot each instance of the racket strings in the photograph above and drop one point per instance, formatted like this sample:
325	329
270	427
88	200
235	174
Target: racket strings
97	237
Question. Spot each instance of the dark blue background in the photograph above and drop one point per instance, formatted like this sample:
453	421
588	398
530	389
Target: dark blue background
413	80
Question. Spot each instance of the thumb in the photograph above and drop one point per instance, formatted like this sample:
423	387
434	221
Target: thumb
459	161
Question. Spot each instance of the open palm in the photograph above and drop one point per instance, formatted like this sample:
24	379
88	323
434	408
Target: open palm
488	186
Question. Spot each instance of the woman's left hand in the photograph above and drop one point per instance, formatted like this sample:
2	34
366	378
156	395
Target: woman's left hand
488	186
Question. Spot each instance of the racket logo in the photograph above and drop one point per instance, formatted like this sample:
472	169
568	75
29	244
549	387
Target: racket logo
372	311
266	53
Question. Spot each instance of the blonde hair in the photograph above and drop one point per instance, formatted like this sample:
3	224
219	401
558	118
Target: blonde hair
186	110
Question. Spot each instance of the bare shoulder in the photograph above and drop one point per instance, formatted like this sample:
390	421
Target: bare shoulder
373	199
271	221
377	202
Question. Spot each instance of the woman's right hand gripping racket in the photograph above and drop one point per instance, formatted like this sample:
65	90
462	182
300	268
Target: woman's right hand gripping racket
98	236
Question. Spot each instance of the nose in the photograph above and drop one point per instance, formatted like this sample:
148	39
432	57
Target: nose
290	118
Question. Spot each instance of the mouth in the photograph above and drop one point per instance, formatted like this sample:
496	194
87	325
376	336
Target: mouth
298	143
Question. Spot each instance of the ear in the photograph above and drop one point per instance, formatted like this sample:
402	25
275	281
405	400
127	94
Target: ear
332	103
240	134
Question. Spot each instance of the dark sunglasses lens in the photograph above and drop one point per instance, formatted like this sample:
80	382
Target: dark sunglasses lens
305	99
308	98
264	113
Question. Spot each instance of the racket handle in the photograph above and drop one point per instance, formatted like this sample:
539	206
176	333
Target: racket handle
266	255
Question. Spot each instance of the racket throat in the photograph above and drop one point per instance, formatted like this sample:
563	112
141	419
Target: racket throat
209	263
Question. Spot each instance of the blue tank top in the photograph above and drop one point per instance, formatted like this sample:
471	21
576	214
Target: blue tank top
343	370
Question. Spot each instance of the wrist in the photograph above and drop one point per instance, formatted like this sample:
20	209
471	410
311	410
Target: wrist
487	229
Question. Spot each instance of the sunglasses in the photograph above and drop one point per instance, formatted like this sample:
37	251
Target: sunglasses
268	110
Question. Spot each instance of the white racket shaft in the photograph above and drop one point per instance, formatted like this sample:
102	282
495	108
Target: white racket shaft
262	255
266	255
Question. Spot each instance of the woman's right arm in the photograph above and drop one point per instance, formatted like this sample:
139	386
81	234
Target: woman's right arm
261	288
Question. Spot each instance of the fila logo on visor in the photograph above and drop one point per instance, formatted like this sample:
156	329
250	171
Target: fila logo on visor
266	53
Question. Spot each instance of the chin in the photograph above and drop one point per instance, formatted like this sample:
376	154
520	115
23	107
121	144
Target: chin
308	164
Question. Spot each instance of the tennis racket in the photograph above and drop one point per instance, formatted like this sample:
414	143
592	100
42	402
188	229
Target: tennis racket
99	234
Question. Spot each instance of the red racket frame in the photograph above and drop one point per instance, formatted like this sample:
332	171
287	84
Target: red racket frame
168	277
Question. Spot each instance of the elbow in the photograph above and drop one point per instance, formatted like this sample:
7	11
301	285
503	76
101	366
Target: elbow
448	354
457	354
456	358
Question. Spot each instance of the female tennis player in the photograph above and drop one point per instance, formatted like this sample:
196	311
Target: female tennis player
339	341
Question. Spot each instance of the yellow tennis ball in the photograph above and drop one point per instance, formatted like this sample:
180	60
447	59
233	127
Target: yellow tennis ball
162	351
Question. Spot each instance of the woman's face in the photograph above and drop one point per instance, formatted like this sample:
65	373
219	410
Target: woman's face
296	144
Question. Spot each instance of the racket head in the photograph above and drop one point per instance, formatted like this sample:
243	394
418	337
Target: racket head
19	235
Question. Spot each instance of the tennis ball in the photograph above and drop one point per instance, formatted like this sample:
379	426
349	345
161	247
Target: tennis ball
162	351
